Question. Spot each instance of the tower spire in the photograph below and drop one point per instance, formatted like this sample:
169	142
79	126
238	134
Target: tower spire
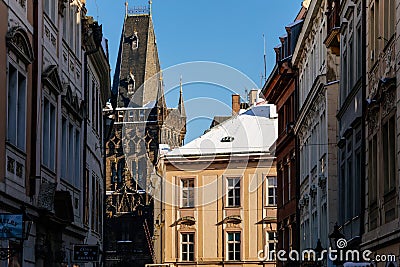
180	86
126	8
181	106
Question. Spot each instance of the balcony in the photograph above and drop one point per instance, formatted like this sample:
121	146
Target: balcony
333	37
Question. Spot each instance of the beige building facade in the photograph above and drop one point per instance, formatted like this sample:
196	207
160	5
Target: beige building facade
216	203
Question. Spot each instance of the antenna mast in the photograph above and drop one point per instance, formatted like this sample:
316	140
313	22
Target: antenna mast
265	60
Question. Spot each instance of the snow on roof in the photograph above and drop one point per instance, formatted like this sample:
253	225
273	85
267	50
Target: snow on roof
253	131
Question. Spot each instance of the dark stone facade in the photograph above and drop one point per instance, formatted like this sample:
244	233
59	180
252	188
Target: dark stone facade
142	123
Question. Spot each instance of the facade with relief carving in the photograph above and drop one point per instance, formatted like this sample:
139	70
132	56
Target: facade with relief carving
56	81
279	89
318	83
381	219
143	122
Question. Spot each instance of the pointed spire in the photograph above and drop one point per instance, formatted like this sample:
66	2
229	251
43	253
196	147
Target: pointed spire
150	6
160	92
181	106
126	8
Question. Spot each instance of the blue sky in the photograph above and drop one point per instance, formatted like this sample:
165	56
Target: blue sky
229	32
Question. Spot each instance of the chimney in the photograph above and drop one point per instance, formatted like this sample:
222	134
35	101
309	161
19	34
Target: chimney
235	104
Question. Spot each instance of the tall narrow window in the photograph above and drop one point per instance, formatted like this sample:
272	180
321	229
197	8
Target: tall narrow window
93	206
233	192
372	31
64	148
49	134
77	155
357	183
272	192
187	246
50	9
392	17
389	154
359	58
71	155
272	241
344	84
16	107
71	29
98	206
351	66
372	172
86	197
187	193
234	246
377	30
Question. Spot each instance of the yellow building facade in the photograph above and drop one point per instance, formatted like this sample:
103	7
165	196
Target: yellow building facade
216	202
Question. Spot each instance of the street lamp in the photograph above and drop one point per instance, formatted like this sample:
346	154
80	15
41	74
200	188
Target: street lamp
334	237
26	224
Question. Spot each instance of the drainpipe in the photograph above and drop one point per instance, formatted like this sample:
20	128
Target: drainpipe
297	160
363	111
35	102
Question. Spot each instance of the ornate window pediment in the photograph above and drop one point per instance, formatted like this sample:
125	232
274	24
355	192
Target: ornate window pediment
18	41
51	78
73	103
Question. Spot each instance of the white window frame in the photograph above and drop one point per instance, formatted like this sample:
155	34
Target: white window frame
234	189
234	242
186	202
185	256
274	186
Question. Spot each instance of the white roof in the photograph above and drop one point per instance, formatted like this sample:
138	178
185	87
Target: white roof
253	131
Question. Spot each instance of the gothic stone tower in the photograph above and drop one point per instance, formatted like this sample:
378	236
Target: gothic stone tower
142	123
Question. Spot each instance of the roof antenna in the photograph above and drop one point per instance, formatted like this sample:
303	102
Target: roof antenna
126	8
265	60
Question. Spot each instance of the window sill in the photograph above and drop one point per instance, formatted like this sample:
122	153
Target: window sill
15	149
389	195
69	185
48	170
187	208
233	207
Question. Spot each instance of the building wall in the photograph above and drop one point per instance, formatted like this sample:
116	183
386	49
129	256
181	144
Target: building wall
381	201
15	55
209	213
38	173
316	128
350	112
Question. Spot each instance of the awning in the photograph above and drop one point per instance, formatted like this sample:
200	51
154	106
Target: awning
235	219
187	220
